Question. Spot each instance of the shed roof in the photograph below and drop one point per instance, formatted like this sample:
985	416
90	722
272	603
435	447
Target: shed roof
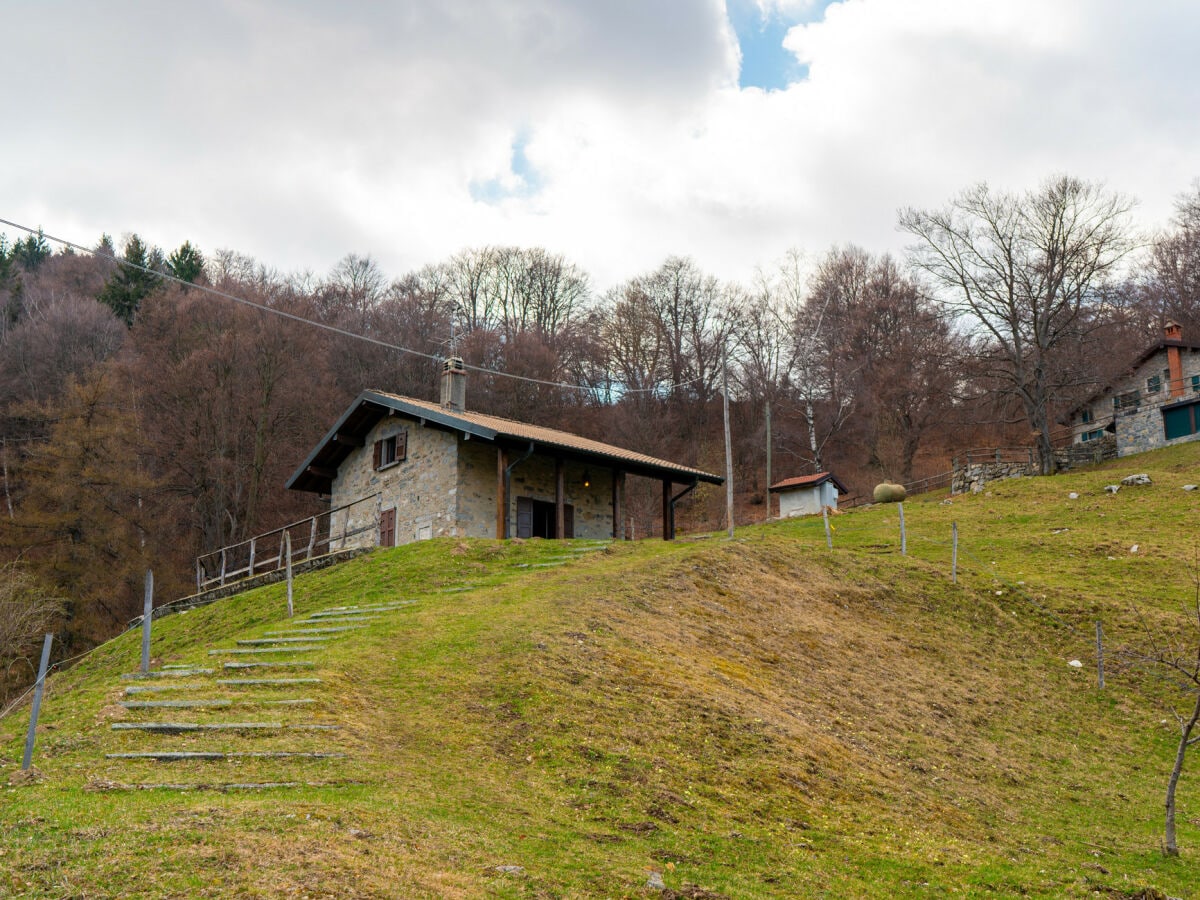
807	481
318	470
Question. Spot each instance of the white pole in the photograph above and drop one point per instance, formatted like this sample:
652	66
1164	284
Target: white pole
147	618
903	536
287	543
37	704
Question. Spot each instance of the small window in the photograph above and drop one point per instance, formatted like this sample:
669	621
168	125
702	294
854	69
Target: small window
1196	384
1128	400
1092	435
391	450
1086	416
1153	384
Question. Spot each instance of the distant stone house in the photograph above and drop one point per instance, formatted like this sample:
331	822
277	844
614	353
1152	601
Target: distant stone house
807	495
437	470
1155	403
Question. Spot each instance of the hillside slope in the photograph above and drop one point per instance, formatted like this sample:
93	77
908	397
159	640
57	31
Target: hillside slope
755	718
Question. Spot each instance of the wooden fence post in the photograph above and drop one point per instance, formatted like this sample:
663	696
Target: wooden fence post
954	552
1100	654
223	558
250	569
147	618
287	542
828	533
198	587
37	703
312	538
903	536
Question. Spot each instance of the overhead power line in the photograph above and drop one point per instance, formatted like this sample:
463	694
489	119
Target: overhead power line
324	326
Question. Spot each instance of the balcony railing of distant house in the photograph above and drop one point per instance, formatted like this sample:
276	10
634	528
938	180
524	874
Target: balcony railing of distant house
327	532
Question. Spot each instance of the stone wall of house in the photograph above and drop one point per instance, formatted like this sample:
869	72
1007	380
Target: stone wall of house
534	478
422	488
477	489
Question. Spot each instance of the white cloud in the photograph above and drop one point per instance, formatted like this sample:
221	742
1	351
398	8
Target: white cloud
301	132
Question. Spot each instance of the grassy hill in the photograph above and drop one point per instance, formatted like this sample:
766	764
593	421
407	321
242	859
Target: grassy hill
755	718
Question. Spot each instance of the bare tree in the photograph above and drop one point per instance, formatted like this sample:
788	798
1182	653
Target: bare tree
28	609
1026	270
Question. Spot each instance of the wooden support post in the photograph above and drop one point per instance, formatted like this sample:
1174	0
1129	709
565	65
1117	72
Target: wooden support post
560	512
903	535
147	619
198	576
287	549
1100	654
954	552
501	495
618	504
668	529
223	558
828	533
312	538
39	685
250	569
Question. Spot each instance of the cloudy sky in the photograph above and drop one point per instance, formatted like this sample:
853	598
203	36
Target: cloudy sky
616	132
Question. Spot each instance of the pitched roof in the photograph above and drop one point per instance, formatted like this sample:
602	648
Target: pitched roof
317	471
802	481
1157	347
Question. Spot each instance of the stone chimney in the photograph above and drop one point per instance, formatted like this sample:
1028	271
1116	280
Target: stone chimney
454	384
1173	332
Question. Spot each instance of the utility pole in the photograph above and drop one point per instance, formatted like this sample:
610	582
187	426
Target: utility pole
728	441
768	458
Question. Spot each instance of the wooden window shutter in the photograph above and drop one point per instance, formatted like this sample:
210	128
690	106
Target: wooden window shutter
402	446
378	454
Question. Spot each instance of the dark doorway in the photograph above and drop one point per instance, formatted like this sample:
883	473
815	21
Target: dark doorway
535	518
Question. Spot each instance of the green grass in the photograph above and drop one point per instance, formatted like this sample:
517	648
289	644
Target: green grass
755	718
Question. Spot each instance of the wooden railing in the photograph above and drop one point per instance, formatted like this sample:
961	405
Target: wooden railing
315	536
1026	455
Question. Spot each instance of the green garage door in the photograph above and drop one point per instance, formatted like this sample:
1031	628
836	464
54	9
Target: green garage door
1180	421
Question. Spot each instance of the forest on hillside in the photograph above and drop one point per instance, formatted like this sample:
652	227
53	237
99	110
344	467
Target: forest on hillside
148	416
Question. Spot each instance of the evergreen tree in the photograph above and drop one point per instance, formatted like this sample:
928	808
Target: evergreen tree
186	263
32	251
132	282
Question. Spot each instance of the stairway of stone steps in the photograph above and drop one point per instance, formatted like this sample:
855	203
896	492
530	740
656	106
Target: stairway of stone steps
253	716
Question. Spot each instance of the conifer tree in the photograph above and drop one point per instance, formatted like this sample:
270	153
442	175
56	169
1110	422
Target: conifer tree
132	282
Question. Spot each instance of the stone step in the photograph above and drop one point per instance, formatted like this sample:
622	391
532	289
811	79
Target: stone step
295	649
294	632
322	620
269	665
245	682
300	701
256	642
378	607
159	688
171	673
184	755
173	704
178	665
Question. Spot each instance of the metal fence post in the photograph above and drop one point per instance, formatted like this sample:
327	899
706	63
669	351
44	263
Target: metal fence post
828	533
250	568
37	704
903	536
287	543
954	552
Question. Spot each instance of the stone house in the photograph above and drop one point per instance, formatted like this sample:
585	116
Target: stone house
1154	404
807	495
438	470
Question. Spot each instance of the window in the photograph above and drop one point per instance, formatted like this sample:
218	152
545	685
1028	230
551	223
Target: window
1128	400
1196	384
391	450
1092	435
1180	421
1153	384
1086	416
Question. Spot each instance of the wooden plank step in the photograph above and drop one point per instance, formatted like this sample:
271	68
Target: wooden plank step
269	665
173	704
257	642
171	673
295	649
185	755
184	727
218	786
243	682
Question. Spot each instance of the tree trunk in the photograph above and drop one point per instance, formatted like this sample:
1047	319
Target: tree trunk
1172	849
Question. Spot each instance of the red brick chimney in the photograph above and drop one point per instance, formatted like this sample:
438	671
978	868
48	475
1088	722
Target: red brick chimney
1173	332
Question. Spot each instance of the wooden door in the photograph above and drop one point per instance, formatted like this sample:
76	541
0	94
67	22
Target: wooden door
524	517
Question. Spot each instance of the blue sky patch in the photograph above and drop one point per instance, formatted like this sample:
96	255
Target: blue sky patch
523	180
766	63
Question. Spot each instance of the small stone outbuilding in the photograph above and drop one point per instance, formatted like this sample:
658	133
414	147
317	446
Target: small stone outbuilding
807	495
438	470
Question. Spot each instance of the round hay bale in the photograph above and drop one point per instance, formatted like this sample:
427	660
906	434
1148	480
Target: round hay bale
889	493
